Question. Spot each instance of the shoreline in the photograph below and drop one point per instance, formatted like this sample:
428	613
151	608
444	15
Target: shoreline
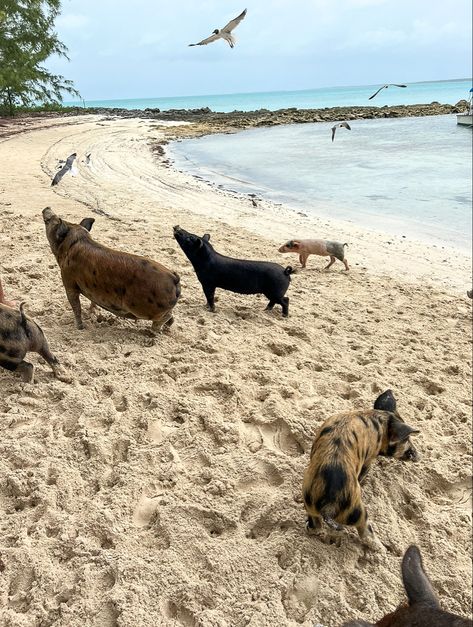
216	180
376	243
163	486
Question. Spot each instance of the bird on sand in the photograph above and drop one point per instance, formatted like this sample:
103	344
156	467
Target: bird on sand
342	124
385	87
224	33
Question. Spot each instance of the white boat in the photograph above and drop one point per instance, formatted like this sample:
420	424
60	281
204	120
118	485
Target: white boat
466	119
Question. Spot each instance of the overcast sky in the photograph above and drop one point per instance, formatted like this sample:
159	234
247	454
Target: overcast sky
138	48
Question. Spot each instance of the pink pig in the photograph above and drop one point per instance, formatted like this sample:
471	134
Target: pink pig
324	248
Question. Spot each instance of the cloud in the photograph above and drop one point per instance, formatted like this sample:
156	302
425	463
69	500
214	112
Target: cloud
71	21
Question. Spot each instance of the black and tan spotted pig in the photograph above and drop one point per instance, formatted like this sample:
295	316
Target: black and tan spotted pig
20	335
343	450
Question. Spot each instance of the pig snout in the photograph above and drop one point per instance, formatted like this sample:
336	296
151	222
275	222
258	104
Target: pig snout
411	455
47	213
284	249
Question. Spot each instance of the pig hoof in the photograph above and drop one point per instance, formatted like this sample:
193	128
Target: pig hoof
27	373
170	322
62	375
212	309
80	326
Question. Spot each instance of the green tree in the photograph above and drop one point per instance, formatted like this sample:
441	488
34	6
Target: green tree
27	39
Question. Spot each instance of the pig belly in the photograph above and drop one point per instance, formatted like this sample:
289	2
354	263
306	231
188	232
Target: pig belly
113	307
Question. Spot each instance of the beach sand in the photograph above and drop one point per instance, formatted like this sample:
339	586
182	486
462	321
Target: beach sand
163	486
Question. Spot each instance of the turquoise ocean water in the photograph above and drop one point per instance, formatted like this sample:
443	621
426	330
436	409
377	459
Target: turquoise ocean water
407	176
416	93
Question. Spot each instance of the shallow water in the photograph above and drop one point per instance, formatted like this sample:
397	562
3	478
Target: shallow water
416	93
408	176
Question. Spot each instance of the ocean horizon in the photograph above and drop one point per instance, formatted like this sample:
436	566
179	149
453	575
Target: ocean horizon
448	91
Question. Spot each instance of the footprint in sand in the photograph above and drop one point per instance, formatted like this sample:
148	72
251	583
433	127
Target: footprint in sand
274	436
179	614
260	472
145	511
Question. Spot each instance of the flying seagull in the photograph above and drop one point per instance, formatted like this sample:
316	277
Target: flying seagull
224	33
385	87
342	124
65	169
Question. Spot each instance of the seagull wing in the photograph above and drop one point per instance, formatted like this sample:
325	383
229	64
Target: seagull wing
209	40
334	128
377	92
395	85
234	23
70	160
346	125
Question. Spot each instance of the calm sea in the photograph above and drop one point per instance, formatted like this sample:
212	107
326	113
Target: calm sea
448	92
408	176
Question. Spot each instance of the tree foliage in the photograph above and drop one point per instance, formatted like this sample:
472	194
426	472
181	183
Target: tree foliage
27	39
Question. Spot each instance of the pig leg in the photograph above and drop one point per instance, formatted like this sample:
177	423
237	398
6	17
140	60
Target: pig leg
347	268
332	261
363	474
284	302
165	320
25	369
270	305
364	528
209	292
74	301
303	259
313	523
57	368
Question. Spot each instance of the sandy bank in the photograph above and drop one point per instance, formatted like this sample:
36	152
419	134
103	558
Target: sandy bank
163	486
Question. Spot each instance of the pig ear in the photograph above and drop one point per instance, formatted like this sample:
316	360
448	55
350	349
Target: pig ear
206	237
398	431
87	223
295	244
386	401
417	584
61	231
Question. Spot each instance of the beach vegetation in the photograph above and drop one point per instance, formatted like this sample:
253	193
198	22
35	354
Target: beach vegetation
27	40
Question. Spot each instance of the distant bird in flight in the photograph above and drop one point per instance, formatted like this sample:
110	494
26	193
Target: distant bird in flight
224	33
385	87
342	124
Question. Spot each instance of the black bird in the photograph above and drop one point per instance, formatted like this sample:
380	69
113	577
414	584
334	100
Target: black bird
385	87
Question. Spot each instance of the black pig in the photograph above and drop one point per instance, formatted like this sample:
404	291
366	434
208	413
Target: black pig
236	275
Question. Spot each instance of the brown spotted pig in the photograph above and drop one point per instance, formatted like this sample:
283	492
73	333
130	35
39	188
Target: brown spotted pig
343	450
323	248
20	335
127	285
423	608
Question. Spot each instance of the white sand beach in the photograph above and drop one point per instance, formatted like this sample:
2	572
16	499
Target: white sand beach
163	486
